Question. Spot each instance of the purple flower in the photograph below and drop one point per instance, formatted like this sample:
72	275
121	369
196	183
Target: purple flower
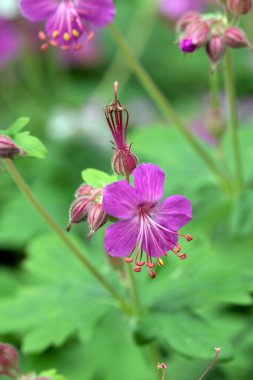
9	43
176	8
147	224
187	46
68	20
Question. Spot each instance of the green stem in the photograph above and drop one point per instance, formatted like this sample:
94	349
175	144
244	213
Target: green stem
214	89
233	120
161	101
61	234
134	291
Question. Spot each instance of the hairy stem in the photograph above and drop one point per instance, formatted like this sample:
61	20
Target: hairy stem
161	101
233	119
61	234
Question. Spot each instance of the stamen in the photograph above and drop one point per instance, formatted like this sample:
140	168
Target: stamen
75	33
66	37
54	43
152	273
182	256
55	33
90	36
139	263
128	260
42	36
160	262
64	47
137	269
44	47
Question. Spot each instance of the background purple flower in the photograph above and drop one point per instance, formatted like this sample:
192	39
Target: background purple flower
146	222
68	20
176	8
9	43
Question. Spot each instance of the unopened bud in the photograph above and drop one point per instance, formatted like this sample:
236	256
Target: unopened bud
235	38
215	48
198	32
8	148
96	218
78	211
124	162
239	7
9	357
84	190
187	46
186	19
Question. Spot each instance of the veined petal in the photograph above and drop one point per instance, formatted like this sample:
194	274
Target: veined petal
98	12
157	241
120	200
149	182
37	10
121	237
174	212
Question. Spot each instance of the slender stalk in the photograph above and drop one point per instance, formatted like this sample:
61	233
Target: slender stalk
61	234
214	90
161	101
217	352
134	291
233	119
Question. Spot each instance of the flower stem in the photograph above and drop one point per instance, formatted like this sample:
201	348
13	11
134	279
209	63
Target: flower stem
233	120
134	291
161	101
61	234
214	89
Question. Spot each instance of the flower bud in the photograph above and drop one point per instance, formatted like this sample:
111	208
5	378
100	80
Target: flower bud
124	162
215	48
84	190
187	46
78	210
235	38
9	357
186	19
239	7
8	148
198	32
96	218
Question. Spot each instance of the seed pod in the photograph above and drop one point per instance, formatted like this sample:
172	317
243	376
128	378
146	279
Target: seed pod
124	162
96	218
239	7
235	38
8	148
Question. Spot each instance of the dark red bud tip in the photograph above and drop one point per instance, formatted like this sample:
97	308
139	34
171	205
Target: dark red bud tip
128	260
140	263
150	265
182	256
152	274
188	237
137	269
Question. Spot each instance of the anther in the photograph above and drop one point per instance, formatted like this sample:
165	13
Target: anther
188	237
178	248
137	269
90	36
160	262
64	47
150	265
128	260
42	36
55	33
152	274
140	263
75	33
54	43
182	256
66	36
44	47
78	47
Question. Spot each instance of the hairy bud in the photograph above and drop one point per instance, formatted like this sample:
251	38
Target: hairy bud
78	210
215	48
239	7
235	38
96	218
186	19
8	148
84	190
124	162
9	357
198	32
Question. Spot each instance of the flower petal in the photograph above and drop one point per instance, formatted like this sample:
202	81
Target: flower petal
174	212
157	241
149	182
99	12
120	200
37	10
121	237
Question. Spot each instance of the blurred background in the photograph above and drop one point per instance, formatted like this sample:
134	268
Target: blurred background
194	305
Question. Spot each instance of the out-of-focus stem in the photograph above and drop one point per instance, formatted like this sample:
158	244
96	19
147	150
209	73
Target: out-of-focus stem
214	90
161	101
61	234
233	119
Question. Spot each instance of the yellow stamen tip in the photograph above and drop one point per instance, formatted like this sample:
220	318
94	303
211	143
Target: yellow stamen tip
75	33
66	37
160	262
55	34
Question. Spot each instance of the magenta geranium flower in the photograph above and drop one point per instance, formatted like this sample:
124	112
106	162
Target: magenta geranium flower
147	226
9	43
68	20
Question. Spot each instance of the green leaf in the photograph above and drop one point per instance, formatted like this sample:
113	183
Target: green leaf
31	145
241	220
97	178
52	374
65	300
18	125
